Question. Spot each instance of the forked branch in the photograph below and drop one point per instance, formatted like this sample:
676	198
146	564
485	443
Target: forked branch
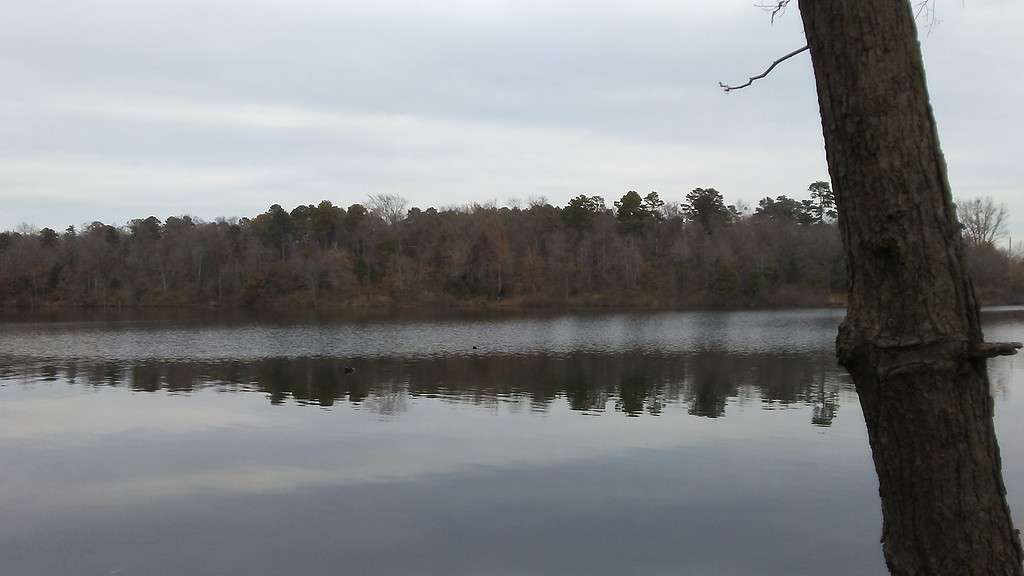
752	79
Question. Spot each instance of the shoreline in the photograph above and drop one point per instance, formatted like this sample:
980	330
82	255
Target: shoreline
373	308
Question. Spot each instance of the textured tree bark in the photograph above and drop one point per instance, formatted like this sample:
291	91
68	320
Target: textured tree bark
911	340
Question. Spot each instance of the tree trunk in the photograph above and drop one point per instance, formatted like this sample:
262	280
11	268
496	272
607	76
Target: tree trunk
911	338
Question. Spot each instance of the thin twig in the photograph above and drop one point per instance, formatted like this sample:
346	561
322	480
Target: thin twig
728	88
930	10
775	8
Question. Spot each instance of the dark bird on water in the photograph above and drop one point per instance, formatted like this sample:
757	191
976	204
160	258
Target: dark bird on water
349	370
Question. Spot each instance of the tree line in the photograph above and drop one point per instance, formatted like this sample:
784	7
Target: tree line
642	251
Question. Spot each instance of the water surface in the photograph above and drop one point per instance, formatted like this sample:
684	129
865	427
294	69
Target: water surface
652	443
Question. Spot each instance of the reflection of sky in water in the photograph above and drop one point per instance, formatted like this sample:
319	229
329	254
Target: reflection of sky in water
143	476
475	477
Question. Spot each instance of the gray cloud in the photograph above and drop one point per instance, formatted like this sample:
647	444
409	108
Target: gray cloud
118	109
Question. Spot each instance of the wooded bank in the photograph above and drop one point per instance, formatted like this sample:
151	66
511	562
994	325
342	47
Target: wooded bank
641	253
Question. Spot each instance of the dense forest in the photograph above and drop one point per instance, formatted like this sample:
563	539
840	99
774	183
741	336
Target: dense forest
640	252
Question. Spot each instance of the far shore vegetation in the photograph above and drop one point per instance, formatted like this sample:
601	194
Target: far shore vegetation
641	252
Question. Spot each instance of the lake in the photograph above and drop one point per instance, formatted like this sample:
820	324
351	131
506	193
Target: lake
725	443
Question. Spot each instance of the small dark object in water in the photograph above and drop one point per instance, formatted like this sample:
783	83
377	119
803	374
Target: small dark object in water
474	348
349	370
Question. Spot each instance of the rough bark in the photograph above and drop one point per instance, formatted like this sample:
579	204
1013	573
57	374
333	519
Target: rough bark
912	340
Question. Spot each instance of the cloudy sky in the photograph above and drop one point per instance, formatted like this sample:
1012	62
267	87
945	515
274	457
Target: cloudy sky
115	109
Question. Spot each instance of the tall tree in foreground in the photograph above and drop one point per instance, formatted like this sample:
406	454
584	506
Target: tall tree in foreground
911	340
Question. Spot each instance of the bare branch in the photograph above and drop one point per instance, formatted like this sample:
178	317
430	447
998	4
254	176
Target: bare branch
775	8
928	8
993	349
728	88
778	7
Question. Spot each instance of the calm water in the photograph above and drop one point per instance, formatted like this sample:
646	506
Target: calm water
659	443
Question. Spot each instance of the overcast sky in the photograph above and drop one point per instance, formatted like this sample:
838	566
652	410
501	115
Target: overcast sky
112	110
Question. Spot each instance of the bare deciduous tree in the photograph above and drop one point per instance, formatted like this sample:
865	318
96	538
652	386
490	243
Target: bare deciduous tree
983	220
391	208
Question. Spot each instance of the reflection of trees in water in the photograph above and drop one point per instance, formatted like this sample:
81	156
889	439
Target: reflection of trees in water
712	382
581	393
637	393
49	373
635	384
826	404
1000	374
388	398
